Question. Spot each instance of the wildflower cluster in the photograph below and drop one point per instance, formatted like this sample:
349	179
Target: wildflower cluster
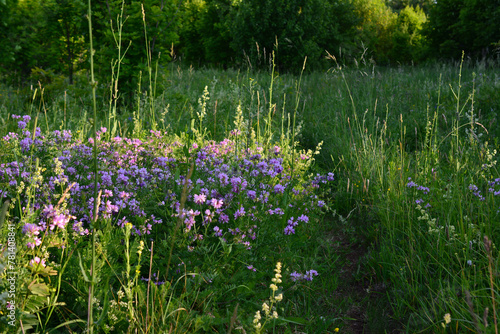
217	192
422	189
475	190
230	186
431	222
493	189
308	276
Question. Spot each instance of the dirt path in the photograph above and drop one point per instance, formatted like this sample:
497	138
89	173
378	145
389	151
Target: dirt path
363	300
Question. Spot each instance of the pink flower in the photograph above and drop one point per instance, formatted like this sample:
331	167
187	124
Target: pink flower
216	203
59	221
200	199
37	262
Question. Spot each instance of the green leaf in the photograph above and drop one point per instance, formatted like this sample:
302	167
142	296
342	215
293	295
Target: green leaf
28	321
47	271
39	289
105	308
294	320
69	322
85	277
34	303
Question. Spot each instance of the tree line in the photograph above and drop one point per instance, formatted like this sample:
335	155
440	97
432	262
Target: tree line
38	36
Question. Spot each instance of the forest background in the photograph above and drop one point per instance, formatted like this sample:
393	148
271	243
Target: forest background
51	36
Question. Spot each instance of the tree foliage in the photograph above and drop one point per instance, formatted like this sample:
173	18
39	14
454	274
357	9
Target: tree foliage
464	25
408	42
6	25
294	29
147	29
205	34
399	5
42	34
225	31
376	27
51	36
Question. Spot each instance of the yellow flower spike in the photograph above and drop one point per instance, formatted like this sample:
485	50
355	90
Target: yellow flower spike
265	308
257	317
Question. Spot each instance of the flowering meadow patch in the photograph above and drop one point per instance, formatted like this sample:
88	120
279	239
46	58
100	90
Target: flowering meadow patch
222	200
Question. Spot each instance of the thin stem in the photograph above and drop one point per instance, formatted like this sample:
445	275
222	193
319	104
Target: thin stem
90	319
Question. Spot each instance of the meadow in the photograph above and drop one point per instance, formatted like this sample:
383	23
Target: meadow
242	201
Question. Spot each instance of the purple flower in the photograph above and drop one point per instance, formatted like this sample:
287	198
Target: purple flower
303	218
289	230
218	231
279	211
147	229
21	124
25	144
223	218
239	213
235	181
250	267
251	194
424	189
223	178
309	274
106	179
321	204
295	276
279	189
31	229
411	184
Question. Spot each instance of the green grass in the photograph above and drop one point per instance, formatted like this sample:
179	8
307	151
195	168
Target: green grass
436	124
